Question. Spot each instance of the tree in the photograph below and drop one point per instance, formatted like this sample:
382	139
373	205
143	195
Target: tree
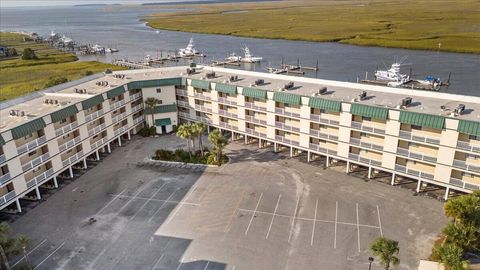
451	256
151	102
464	209
386	250
10	246
184	132
465	236
199	128
218	142
28	54
12	52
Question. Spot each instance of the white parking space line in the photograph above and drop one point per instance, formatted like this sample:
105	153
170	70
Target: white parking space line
206	266
158	200
180	265
358	229
336	219
293	220
111	201
157	261
131	198
184	201
273	216
32	250
149	199
314	221
154	214
59	247
379	221
253	214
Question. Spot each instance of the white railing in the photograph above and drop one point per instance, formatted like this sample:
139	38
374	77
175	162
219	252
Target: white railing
202	96
69	144
407	153
117	104
202	108
466	185
227	113
320	149
255	120
319	119
99	143
93	115
182	104
225	125
72	159
4	178
408	135
96	130
137	108
368	161
135	96
286	127
7	197
119	117
404	169
285	140
181	92
31	145
120	130
319	134
467	146
39	179
139	119
205	120
2	158
358	142
226	101
67	128
35	162
255	133
464	165
358	125
286	113
251	105
184	114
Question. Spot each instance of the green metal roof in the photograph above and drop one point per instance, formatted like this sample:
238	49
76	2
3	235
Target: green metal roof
92	102
254	93
200	84
28	128
163	109
325	104
369	111
163	122
64	113
116	92
287	98
2	141
420	119
154	83
469	127
226	88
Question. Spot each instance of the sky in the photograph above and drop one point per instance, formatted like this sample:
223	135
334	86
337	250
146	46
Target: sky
14	3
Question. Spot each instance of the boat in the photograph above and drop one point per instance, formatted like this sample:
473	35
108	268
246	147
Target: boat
189	51
111	50
431	81
98	49
233	57
157	32
66	40
146	60
392	74
249	58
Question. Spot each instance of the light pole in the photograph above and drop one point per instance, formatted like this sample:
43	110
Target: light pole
370	260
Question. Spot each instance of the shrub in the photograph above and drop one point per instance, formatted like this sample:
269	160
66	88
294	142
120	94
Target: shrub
28	54
145	132
153	131
55	81
88	73
162	154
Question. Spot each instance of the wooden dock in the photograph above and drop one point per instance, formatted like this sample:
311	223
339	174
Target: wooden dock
129	64
226	63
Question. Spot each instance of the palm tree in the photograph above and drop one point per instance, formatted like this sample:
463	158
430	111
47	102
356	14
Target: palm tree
451	256
184	133
218	142
386	250
10	246
199	128
465	209
151	102
462	235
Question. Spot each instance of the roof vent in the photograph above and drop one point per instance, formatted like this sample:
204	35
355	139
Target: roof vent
210	75
460	109
289	85
102	83
190	71
322	90
362	95
406	102
234	78
259	82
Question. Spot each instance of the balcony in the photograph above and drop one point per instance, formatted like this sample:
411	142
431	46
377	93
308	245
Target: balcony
463	165
357	157
181	92
65	129
72	159
319	134
255	133
406	153
39	179
119	117
137	108
408	135
251	105
117	104
35	162
202	96
184	114
285	140
69	144
225	125
7	197
466	185
283	112
358	142
255	120
139	119
467	146
99	143
182	103
318	148
135	96
31	145
404	169
227	113
2	158
202	108
358	125
319	119
93	115
94	131
5	178
226	101
120	130
205	120
286	127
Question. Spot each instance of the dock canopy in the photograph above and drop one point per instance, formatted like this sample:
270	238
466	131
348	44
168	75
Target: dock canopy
229	89
287	98
469	127
64	113
420	119
254	93
369	111
28	128
325	104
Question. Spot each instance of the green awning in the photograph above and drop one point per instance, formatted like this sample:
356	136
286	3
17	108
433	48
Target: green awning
92	102
287	98
226	88
200	84
184	81
254	93
28	128
2	141
469	127
420	119
116	92
154	83
163	122
369	111
325	104
64	113
163	109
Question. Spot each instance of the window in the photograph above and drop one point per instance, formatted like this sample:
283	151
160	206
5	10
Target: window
65	136
28	136
32	153
159	90
94	137
160	101
63	121
473	137
416	127
69	151
365	118
467	174
37	169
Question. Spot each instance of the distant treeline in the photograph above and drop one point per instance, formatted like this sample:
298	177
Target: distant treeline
203	2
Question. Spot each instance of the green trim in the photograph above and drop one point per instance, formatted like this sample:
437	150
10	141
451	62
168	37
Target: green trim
420	119
116	92
2	141
163	122
369	111
226	88
469	127
200	84
163	109
92	102
254	93
287	98
28	128
154	83
325	104
63	113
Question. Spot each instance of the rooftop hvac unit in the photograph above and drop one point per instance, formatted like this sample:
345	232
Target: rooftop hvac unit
259	82
210	75
460	109
190	71
233	78
13	113
46	101
289	85
362	95
322	91
22	114
406	101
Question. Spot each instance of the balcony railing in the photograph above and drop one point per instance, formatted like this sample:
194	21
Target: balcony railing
202	108
181	92
205	120
117	104
319	119
466	185
227	113
65	129
4	178
251	105
7	197
407	153
404	169
285	140
69	144
202	96
31	145
2	158
226	101
93	115
255	133
139	119
286	127
39	179
120	130
182	103
72	159
358	125
463	165
408	135
119	117
318	148
97	129
135	96
99	143
283	112
225	125
137	108
467	146
357	141
255	120
35	162
319	134
184	114
364	160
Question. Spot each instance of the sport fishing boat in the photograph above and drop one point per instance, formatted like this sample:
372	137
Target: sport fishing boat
189	51
392	74
249	58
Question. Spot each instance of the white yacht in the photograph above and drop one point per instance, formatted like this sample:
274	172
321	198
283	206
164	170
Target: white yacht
391	75
189	50
233	57
249	58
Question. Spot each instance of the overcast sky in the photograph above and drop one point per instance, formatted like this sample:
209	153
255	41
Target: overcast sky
12	3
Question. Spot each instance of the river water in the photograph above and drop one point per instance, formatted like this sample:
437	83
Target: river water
121	28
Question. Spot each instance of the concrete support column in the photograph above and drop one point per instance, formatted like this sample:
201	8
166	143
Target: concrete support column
419	184
37	191
19	209
129	136
55	183
119	141
327	161
291	151
369	172
85	163
246	139
98	155
109	150
70	170
233	136
308	156
259	143
208	129
275	146
393	179
347	169
447	191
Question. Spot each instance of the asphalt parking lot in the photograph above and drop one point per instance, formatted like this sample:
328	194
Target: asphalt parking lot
263	210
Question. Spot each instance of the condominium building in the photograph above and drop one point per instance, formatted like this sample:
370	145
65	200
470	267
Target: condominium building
425	136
